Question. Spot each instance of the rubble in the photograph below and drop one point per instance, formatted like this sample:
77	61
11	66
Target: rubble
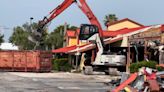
146	80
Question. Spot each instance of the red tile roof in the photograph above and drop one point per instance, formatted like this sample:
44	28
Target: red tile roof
64	50
72	49
126	19
78	31
120	32
71	33
109	34
162	28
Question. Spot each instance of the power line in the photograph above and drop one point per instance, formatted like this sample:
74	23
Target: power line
3	29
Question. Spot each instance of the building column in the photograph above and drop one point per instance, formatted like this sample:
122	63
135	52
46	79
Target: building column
145	50
128	58
93	56
77	57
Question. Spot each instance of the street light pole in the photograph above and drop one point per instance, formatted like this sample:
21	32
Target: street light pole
31	20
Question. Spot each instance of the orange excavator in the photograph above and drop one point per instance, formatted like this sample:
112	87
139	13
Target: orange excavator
88	32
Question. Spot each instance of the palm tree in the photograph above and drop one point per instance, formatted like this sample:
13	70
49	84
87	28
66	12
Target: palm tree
20	37
110	18
56	38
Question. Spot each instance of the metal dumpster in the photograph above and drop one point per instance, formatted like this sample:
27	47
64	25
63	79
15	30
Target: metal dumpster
25	61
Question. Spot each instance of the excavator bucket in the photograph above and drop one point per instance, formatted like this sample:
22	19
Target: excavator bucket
87	30
35	37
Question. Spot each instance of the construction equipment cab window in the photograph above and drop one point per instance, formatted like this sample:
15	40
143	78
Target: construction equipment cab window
86	31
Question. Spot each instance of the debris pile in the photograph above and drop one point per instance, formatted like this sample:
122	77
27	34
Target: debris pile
146	80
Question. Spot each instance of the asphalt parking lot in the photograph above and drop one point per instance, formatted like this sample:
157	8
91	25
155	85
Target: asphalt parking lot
52	82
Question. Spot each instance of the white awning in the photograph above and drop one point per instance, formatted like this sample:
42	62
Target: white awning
8	46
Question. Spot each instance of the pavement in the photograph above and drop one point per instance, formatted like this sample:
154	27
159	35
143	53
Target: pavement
53	82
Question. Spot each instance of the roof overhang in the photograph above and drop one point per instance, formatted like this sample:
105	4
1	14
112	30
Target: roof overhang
90	46
64	50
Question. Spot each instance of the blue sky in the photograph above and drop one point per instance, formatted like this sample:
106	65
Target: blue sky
17	12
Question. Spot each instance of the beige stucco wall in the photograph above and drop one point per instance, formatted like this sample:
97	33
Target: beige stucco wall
72	41
124	42
121	25
82	43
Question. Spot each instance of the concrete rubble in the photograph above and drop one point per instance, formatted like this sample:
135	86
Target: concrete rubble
146	80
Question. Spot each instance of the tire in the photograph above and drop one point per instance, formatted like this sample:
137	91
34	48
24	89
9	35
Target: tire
88	70
113	71
106	73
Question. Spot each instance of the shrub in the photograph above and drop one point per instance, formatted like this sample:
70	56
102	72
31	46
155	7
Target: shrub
160	68
61	64
135	66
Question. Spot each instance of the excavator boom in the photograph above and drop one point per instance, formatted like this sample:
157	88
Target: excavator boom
90	15
82	4
37	35
55	12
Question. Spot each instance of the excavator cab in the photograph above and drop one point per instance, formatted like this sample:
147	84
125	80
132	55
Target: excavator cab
87	30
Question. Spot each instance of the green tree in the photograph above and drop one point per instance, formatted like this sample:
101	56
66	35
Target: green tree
56	38
110	18
20	36
51	40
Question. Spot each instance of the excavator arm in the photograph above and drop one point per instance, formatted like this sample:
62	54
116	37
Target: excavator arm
82	4
58	10
90	15
37	35
53	14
